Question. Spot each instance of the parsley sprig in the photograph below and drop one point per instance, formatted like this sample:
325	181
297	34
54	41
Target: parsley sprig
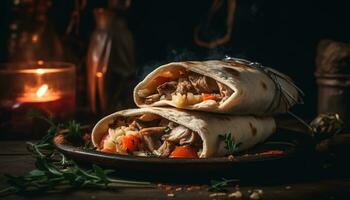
54	170
230	144
219	185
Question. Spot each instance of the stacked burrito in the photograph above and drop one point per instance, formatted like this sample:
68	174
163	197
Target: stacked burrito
198	109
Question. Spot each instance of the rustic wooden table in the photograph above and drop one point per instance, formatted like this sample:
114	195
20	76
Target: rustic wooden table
14	159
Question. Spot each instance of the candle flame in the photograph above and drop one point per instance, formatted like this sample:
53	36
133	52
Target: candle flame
40	71
42	90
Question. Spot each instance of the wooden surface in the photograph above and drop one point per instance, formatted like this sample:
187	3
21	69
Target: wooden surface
14	159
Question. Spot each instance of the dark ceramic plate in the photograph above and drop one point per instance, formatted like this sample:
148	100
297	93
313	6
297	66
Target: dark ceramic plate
291	147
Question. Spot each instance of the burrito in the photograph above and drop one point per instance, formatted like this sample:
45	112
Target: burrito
173	133
233	86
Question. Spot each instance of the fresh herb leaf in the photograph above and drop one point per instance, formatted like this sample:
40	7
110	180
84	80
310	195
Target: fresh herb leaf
219	185
167	130
74	134
54	169
230	144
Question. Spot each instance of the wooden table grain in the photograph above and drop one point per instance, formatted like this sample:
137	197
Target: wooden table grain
14	159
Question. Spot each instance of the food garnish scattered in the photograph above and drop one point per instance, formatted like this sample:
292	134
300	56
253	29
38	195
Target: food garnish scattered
237	194
217	194
256	194
171	195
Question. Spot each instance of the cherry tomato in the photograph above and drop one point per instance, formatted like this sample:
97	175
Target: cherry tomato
184	152
130	142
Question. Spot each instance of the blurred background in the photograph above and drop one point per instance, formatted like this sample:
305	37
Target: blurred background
120	41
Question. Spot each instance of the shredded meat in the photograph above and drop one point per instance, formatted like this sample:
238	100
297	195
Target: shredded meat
165	149
135	125
166	123
192	139
151	143
194	83
225	91
157	135
184	86
153	130
182	136
176	134
151	137
152	98
203	84
167	88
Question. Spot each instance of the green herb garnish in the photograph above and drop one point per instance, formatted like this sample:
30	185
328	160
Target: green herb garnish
219	185
54	170
167	130
230	144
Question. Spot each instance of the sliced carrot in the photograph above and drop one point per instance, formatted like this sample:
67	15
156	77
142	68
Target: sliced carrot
105	136
184	152
208	97
130	142
107	150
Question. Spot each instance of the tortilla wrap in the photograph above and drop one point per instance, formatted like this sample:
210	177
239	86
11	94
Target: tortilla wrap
254	92
245	130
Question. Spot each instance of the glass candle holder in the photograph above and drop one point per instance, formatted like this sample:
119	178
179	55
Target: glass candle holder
46	87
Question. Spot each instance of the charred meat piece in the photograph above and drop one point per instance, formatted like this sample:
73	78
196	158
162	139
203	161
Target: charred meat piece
203	84
184	86
167	88
225	91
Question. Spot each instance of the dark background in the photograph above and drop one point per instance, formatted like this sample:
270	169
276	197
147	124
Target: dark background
280	34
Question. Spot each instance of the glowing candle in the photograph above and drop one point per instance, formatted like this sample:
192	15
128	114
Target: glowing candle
48	87
42	94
